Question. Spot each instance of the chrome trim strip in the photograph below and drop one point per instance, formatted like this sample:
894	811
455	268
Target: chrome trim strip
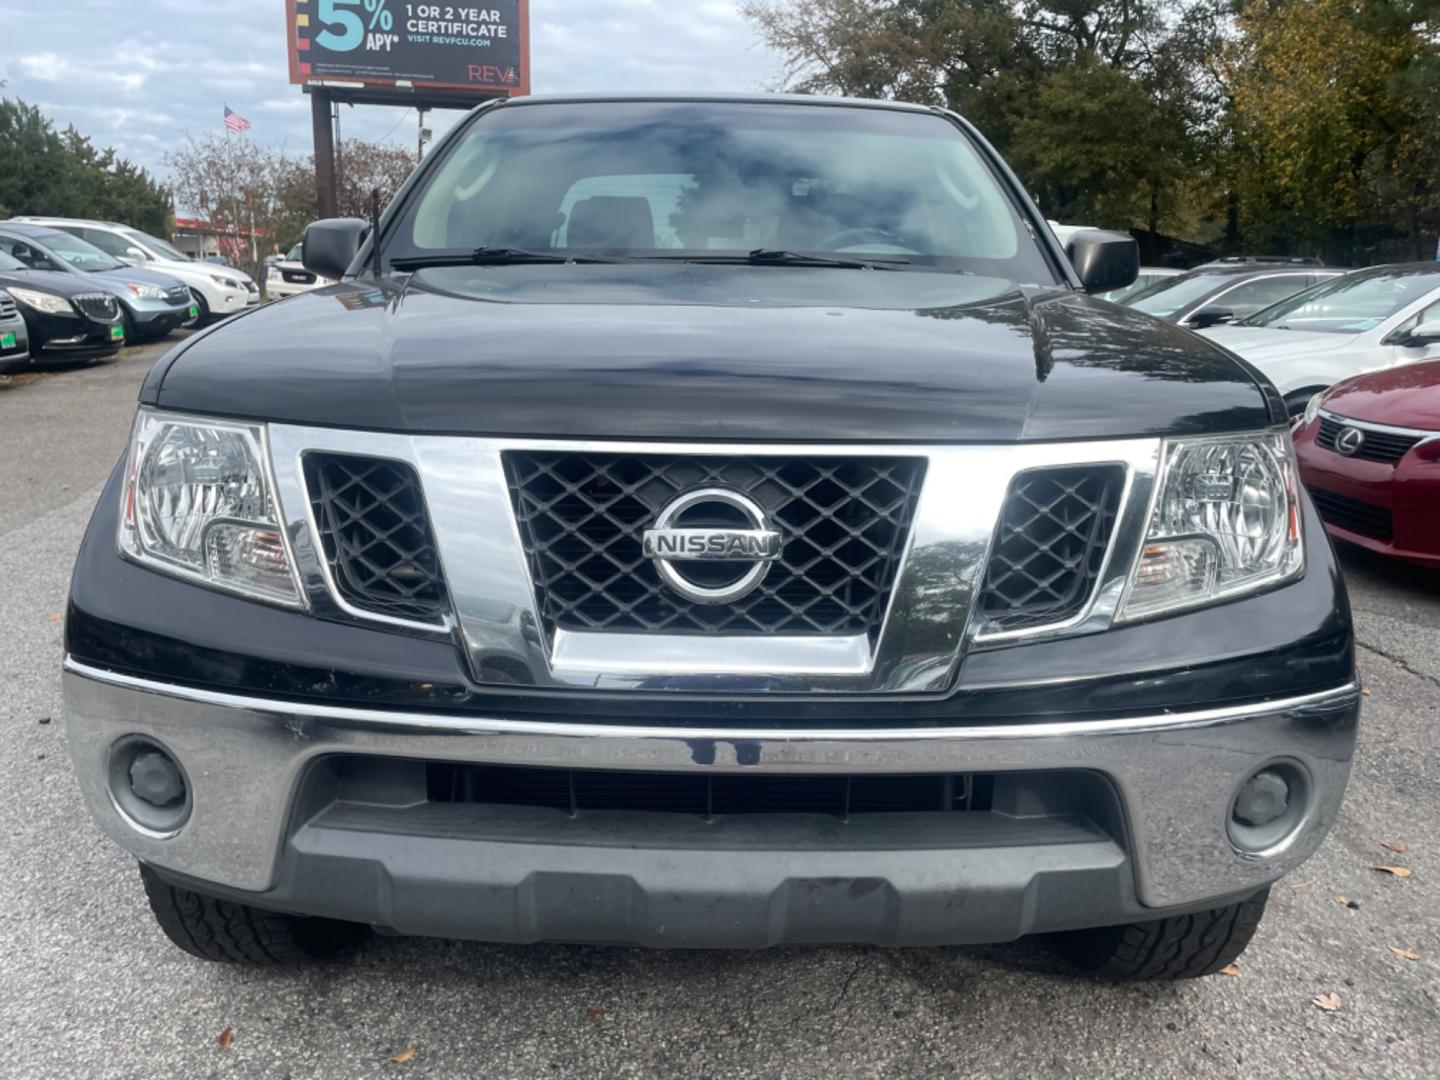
1383	429
921	639
602	659
615	735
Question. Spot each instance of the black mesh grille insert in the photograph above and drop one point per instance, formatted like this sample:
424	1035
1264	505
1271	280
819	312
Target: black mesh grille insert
1378	445
1364	518
844	523
376	534
1050	544
576	791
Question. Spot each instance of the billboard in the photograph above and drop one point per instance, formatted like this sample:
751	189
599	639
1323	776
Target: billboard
482	46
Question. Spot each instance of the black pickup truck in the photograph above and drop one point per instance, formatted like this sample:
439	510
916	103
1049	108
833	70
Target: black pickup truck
708	522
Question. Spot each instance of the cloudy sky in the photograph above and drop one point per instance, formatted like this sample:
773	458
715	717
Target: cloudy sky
140	74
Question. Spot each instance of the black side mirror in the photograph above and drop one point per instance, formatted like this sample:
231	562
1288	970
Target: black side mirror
1212	316
1104	260
330	246
1418	337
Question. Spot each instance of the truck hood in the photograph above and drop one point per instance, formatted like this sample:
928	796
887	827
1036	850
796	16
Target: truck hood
585	363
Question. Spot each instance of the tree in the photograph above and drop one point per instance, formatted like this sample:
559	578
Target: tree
60	173
1069	90
238	184
1335	114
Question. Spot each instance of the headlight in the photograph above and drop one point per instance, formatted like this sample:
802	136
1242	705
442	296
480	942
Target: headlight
1226	520
47	302
199	504
1312	409
225	282
145	292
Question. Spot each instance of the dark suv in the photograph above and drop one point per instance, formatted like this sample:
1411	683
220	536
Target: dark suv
710	522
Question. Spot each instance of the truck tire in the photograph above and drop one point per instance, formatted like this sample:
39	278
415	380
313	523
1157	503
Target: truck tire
1180	947
231	933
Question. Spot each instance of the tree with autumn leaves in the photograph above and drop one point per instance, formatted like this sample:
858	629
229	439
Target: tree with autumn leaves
1286	126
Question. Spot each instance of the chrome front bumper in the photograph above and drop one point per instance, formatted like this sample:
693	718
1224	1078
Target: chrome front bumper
1175	775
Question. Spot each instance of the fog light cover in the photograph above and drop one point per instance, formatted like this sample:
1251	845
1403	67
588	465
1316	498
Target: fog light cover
199	504
1226	521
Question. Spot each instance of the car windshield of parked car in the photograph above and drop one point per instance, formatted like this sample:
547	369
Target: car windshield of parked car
295	253
156	245
702	181
1170	295
1350	304
77	253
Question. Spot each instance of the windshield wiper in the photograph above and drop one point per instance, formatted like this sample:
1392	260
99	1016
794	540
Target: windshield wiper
780	257
496	256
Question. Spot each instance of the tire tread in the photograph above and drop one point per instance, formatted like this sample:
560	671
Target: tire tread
1179	947
230	933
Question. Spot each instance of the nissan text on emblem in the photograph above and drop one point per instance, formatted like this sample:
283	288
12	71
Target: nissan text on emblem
1349	441
715	526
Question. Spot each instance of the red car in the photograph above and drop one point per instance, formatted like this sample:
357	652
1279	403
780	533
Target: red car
1369	451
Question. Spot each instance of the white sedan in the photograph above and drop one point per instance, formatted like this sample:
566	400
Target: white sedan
1362	321
289	277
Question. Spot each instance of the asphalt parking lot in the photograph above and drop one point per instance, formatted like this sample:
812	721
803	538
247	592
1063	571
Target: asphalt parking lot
90	988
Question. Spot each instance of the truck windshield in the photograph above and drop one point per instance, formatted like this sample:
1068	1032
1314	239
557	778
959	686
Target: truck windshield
698	181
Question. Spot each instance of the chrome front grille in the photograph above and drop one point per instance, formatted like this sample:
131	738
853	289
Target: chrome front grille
376	536
1386	446
178	295
896	560
844	522
1050	545
7	306
98	306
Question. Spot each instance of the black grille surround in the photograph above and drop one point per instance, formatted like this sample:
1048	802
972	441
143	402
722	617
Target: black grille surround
1385	446
1356	516
375	535
179	295
706	794
1050	544
845	522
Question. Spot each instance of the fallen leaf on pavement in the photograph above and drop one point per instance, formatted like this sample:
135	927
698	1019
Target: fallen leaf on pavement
1232	970
408	1054
594	1014
1405	954
1328	1002
1365	692
226	1038
1397	871
1342	900
1398	849
55	617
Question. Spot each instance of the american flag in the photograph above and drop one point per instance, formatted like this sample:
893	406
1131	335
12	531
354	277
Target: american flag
234	122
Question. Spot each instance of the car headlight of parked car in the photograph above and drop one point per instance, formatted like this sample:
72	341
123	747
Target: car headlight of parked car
46	302
225	282
1312	409
1226	520
199	503
145	292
